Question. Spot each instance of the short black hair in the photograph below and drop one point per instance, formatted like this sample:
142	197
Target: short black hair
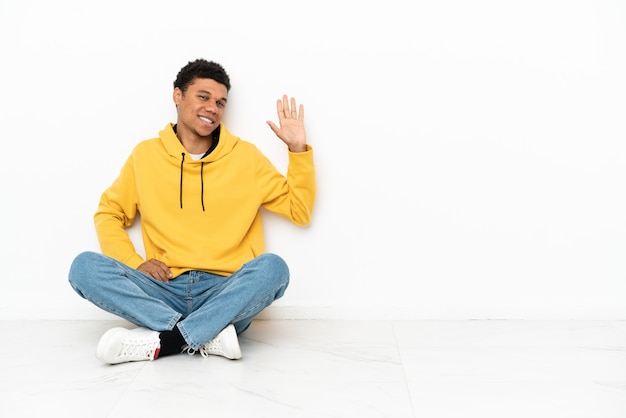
201	68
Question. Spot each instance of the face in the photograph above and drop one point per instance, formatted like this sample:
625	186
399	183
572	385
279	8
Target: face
201	107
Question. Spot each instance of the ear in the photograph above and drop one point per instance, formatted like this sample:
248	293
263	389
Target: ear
177	96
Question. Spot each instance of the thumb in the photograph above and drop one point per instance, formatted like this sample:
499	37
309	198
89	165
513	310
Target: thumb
273	126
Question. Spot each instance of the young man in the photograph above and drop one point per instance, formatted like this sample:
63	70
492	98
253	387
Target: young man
199	191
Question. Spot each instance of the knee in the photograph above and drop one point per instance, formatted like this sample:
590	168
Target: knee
270	270
80	267
276	266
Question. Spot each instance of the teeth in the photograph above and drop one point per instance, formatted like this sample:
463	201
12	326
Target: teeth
204	118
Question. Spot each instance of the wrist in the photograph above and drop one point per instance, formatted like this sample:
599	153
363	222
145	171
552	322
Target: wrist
298	148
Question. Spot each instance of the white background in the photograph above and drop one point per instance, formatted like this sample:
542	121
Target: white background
470	154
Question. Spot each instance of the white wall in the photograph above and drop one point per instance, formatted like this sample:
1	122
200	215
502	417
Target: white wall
471	154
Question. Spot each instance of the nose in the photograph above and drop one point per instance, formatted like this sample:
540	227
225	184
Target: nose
211	106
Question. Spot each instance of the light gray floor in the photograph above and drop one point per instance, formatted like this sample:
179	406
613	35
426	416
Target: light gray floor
425	369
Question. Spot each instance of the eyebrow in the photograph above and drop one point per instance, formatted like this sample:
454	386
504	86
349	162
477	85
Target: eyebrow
224	99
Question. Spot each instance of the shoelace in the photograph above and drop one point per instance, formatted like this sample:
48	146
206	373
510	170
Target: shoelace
189	350
139	348
211	347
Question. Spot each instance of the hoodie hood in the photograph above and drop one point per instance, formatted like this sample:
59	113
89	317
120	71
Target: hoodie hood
175	148
225	144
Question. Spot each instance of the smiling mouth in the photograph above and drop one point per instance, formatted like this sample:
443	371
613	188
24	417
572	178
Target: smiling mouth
207	120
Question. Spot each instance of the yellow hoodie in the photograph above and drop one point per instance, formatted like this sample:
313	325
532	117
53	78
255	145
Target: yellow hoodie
201	214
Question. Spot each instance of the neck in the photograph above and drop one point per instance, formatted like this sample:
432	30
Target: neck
193	143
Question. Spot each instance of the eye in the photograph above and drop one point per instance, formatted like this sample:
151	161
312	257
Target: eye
221	104
203	97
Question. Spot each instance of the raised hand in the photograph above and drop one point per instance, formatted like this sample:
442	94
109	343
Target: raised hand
291	120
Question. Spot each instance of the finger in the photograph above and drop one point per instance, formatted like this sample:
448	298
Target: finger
279	108
294	113
164	274
160	276
273	126
286	106
162	279
301	112
160	270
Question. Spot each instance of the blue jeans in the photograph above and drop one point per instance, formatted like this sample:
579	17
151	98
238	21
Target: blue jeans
201	304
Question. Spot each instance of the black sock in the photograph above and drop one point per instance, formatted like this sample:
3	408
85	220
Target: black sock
172	342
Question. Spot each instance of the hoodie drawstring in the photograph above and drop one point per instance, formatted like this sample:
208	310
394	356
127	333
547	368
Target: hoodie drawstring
201	182
202	185
181	179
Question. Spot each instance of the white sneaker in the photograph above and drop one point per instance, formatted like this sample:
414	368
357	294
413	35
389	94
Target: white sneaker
225	344
119	345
